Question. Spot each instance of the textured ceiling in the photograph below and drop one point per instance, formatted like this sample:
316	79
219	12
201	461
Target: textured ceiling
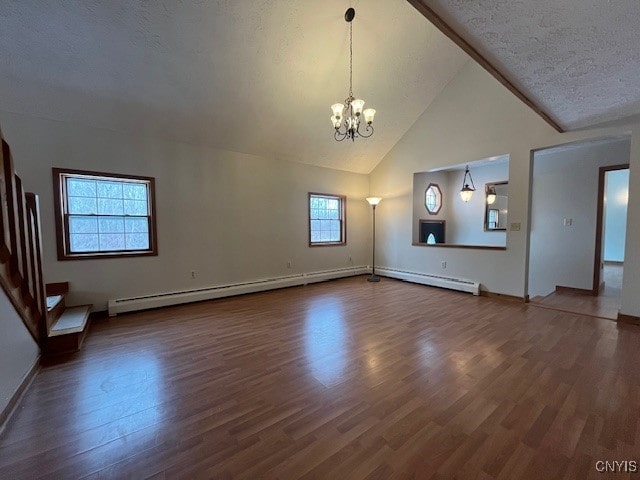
579	60
249	76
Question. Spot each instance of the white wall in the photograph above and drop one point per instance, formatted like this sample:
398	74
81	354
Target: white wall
18	351
615	214
231	217
565	185
476	117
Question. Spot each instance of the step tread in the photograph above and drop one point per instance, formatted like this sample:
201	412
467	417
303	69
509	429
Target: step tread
72	320
53	301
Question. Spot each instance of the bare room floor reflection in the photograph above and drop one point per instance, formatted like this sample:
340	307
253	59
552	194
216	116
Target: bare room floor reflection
605	305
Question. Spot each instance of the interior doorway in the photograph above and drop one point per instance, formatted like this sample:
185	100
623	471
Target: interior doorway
577	227
611	229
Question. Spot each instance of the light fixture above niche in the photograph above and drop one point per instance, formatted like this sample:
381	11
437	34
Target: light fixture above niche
466	192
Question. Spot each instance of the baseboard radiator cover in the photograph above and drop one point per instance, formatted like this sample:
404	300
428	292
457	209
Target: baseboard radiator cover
432	280
144	302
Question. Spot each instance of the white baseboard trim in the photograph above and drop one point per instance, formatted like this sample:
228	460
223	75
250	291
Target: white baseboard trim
431	280
145	302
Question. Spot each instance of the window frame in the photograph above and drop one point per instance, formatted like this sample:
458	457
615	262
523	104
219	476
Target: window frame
343	219
436	188
60	201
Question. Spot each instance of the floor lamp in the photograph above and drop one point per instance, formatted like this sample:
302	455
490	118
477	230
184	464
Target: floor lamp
373	201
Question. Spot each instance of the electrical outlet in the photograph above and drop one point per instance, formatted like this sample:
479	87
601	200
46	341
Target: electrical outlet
443	264
193	274
567	222
289	264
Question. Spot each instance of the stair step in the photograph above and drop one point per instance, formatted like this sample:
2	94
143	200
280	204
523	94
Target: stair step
53	301
72	320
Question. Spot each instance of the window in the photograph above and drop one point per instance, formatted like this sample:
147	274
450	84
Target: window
492	219
327	219
433	199
103	215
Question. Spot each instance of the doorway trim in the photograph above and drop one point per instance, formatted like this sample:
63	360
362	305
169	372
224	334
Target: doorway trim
595	291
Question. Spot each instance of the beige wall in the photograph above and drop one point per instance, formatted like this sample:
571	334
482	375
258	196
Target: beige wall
18	351
476	117
230	217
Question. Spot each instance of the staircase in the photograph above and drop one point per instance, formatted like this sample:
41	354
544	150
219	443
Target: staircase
54	327
66	326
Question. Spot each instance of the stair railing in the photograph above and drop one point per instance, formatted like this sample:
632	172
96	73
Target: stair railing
21	248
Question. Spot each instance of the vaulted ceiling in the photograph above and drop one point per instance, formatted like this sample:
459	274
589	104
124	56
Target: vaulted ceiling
258	77
578	61
249	76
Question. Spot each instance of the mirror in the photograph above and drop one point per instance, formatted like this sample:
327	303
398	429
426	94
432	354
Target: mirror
443	218
495	215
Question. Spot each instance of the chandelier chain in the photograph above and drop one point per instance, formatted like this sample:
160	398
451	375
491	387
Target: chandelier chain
350	59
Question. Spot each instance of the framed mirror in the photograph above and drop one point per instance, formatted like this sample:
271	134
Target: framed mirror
496	206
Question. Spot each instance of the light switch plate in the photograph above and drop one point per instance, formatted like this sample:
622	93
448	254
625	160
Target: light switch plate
515	227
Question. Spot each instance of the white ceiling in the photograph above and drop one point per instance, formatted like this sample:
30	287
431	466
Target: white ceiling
255	77
579	60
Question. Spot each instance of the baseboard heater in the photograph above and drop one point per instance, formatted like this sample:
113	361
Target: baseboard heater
432	280
144	302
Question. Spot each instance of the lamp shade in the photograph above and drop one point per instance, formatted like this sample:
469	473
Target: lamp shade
491	195
357	105
374	200
369	113
466	193
337	109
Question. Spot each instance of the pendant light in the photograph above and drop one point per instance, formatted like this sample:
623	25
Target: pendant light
491	195
467	191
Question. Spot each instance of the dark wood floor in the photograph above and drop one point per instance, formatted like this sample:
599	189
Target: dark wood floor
342	380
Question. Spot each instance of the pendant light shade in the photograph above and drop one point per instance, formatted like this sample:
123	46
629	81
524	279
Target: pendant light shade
491	195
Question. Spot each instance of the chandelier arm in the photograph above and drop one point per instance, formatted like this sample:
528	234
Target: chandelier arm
368	129
339	136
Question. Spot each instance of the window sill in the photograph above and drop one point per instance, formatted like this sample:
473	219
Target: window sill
98	256
450	245
328	244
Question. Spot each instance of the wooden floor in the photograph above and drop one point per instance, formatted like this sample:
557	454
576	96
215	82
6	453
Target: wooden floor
605	305
341	380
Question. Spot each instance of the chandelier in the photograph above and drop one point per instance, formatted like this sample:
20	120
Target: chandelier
347	116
